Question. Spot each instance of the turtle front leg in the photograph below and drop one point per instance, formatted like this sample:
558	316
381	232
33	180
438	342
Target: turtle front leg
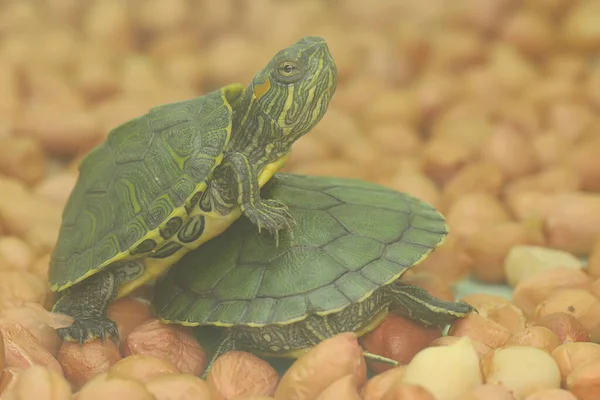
87	302
417	304
270	214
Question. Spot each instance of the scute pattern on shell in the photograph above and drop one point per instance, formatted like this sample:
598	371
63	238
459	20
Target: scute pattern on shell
351	238
131	183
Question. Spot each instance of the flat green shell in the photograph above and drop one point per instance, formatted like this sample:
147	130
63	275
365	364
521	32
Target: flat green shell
130	184
351	238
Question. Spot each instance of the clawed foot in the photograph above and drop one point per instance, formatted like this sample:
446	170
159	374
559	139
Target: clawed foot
271	215
88	329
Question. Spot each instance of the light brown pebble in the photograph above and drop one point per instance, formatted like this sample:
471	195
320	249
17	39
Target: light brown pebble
489	392
579	303
341	132
34	320
128	313
529	32
450	261
142	367
511	68
82	363
41	266
530	204
511	151
535	336
9	84
569	356
169	342
436	90
489	246
456	126
250	397
447	372
309	149
358	93
179	387
448	340
523	117
498	309
532	290
2	355
407	392
565	326
393	106
551	148
415	184
9	377
343	388
521	369
455	48
18	288
551	394
396	139
525	261
58	132
593	262
57	187
566	65
377	386
579	28
38	382
482	176
328	361
574	226
443	158
595	288
95	75
21	211
584	381
22	158
551	180
236	373
474	211
42	239
102	388
398	338
15	253
482	329
23	350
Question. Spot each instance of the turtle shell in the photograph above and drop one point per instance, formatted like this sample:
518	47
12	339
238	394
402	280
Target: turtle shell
132	189
350	239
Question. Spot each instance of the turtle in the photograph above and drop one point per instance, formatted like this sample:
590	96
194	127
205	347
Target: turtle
337	270
167	181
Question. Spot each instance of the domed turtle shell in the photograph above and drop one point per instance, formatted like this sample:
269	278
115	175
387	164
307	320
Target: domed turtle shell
133	189
351	238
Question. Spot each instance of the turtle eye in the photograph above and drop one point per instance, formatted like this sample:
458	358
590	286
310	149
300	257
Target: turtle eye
288	68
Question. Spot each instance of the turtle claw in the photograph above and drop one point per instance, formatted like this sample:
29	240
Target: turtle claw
88	329
271	215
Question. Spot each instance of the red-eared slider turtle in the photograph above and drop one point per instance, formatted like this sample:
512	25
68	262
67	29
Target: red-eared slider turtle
168	181
337	270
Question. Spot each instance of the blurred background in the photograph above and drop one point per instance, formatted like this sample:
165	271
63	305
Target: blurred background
436	98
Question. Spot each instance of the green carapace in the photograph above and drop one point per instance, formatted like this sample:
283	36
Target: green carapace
337	270
168	181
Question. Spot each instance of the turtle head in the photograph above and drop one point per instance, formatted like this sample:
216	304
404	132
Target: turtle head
295	88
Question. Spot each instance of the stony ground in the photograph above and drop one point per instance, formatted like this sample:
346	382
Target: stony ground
486	109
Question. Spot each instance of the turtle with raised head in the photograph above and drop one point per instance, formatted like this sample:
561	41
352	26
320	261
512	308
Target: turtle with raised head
337	270
166	182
